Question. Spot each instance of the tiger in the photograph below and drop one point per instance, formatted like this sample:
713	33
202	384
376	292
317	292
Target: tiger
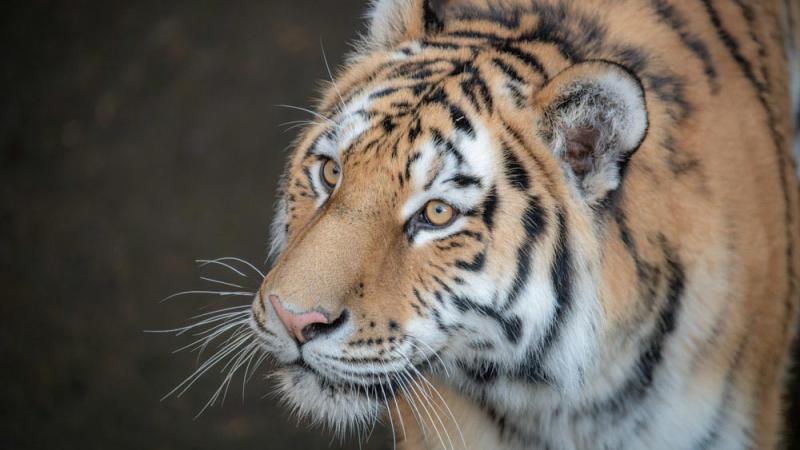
545	224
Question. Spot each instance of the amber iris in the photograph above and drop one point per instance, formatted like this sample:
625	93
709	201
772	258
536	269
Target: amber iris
439	213
330	173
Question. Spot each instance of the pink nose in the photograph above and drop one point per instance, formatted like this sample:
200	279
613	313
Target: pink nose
296	323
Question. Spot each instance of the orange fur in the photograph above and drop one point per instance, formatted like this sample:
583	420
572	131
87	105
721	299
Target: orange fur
722	193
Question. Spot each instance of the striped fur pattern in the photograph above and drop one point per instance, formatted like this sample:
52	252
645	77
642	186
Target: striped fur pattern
622	269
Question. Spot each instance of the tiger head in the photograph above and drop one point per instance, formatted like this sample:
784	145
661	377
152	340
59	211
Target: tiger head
444	213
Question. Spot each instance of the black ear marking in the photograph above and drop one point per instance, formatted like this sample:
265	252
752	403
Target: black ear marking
432	16
593	117
392	22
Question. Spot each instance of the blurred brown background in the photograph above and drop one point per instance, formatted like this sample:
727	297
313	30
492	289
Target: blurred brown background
135	138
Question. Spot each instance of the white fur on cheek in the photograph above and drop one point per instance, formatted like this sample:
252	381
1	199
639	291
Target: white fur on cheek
278	228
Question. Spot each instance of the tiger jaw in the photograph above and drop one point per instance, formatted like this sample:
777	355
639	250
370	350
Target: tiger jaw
328	390
340	407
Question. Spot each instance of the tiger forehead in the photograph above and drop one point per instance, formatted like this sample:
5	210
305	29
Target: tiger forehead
391	116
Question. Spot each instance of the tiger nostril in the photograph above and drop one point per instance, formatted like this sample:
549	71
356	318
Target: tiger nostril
304	326
314	330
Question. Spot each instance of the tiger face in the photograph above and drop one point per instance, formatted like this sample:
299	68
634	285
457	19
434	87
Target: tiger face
440	214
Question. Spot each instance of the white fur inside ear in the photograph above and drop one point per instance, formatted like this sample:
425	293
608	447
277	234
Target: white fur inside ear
593	125
388	22
632	124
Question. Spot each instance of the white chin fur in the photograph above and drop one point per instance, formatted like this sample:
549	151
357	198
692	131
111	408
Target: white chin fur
333	407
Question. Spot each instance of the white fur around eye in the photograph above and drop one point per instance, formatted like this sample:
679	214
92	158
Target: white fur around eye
425	236
319	186
478	152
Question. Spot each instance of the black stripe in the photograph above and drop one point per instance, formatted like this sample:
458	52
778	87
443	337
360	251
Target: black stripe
446	145
652	350
670	88
472	83
415	130
511	325
475	265
464	181
561	276
307	173
673	19
466	233
763	94
533	222
575	35
460	121
532	369
419	298
668	318
647	274
411	160
383	93
480	372
441	44
473	34
632	58
432	21
749	16
508	70
516	175
489	207
529	59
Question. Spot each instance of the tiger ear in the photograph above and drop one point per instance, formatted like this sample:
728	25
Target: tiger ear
394	21
593	117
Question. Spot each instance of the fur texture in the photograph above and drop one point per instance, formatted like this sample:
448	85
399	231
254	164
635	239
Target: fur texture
621	272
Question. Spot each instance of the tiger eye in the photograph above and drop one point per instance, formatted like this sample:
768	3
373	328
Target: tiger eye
439	213
330	173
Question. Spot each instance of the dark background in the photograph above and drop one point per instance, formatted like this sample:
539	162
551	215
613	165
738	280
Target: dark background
135	138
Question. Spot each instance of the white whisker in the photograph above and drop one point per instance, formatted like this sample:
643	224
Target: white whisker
420	395
436	391
205	262
219	293
225	283
330	75
389	413
208	364
240	260
313	113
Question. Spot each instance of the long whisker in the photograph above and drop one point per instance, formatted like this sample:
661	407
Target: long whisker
215	317
389	413
240	260
413	405
219	293
225	283
223	387
423	400
447	409
313	113
397	407
414	343
208	364
330	75
205	262
253	357
224	318
211	313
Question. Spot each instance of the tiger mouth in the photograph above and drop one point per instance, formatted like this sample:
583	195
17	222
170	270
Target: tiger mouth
371	391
